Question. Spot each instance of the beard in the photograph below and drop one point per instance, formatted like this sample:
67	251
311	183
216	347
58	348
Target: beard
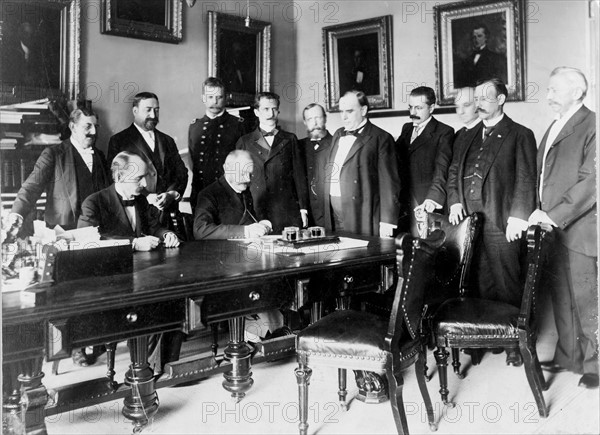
150	123
317	133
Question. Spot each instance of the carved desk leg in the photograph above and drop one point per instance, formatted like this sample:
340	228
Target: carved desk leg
239	379
23	411
110	364
141	405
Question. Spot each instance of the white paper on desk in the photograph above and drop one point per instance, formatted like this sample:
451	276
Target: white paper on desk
344	243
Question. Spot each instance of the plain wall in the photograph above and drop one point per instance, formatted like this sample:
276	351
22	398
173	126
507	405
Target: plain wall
114	68
556	34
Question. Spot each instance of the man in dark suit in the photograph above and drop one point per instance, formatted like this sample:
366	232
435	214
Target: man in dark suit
224	209
121	212
424	151
167	174
318	141
494	174
211	137
467	113
482	63
68	172
279	185
567	201
358	178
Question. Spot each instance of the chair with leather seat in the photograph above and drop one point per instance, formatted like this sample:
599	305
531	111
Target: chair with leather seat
475	323
359	340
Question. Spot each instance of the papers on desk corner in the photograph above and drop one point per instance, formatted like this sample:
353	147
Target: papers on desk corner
268	244
84	238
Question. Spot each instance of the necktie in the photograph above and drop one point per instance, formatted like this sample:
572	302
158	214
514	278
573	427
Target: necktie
128	202
415	134
487	132
268	133
349	132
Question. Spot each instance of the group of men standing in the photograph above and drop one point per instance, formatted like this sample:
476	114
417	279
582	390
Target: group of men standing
359	180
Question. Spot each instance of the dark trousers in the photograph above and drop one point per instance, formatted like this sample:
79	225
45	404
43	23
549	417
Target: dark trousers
337	213
572	279
163	348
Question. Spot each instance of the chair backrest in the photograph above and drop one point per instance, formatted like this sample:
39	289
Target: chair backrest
538	241
454	259
414	258
182	224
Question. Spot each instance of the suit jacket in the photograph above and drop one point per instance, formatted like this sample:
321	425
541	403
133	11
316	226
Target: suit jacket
425	162
489	65
55	173
508	177
173	175
279	185
209	142
315	212
369	181
569	194
221	213
104	209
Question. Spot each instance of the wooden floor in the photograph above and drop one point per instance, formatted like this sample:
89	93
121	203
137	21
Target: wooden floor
493	398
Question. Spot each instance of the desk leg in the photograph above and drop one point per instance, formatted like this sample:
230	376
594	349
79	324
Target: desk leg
23	408
239	379
141	405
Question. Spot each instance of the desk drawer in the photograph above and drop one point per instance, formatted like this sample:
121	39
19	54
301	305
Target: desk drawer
114	325
240	302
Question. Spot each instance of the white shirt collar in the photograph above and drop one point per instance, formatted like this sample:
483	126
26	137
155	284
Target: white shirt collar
234	189
149	133
494	121
211	116
564	118
473	124
422	125
118	189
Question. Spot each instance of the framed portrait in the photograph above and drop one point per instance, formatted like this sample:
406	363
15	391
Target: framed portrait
240	55
358	56
155	20
39	50
480	39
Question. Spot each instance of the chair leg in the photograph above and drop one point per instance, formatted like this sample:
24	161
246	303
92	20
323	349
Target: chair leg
441	359
530	362
425	368
55	367
303	374
456	362
396	382
538	370
214	328
342	392
422	381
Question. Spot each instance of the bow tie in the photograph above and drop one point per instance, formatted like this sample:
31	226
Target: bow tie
350	132
89	151
270	133
128	202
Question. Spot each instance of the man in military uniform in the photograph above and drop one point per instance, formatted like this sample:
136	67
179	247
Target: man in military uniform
212	137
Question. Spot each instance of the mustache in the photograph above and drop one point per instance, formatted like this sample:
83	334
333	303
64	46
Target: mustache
414	117
480	110
317	129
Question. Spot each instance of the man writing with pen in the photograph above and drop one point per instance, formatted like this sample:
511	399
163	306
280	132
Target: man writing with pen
224	209
120	211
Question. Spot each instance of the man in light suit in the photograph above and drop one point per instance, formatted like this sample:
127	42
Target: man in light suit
318	141
279	188
167	174
493	173
224	209
358	179
67	172
567	201
424	150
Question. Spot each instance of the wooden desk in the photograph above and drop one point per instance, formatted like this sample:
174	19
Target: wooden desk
184	289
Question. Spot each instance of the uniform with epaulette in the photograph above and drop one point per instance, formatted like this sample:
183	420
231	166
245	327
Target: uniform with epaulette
209	141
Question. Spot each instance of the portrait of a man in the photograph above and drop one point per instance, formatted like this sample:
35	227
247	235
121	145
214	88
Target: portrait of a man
237	61
359	64
479	49
30	47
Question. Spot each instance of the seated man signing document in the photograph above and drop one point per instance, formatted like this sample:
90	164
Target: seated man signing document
121	212
224	209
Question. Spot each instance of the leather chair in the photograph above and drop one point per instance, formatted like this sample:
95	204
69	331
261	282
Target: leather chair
476	323
359	340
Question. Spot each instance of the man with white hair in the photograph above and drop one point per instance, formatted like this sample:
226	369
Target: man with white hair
567	201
